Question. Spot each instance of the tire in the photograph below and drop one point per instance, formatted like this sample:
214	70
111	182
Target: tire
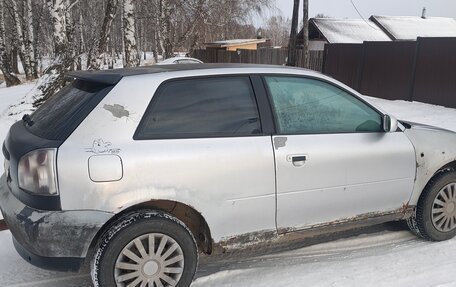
435	216
170	264
413	226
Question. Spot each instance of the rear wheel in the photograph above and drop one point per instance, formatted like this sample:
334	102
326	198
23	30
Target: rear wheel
435	217
146	248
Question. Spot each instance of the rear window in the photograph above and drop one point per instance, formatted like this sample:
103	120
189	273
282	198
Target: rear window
57	118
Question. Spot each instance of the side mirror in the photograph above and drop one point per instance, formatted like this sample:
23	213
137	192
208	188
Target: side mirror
390	124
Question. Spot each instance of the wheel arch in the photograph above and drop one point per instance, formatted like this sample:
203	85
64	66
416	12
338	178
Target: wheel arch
193	219
450	166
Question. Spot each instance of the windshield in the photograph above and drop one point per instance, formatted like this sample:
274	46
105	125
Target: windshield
57	118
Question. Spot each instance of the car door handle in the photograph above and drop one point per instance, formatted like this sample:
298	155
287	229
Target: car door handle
297	160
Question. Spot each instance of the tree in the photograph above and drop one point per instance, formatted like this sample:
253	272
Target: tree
305	33
131	51
30	40
19	41
5	65
293	35
164	28
321	15
54	76
96	57
277	30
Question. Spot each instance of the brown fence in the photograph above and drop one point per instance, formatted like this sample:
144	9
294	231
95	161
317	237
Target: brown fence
261	56
422	70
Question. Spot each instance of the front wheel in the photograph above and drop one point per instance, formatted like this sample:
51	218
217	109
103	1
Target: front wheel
146	248
435	217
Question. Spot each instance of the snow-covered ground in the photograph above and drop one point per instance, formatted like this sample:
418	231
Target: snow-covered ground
388	258
9	96
383	258
371	258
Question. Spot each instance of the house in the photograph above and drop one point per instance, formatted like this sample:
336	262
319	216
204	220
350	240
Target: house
235	44
333	31
410	28
377	28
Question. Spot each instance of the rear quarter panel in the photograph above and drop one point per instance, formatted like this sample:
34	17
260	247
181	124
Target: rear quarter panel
224	179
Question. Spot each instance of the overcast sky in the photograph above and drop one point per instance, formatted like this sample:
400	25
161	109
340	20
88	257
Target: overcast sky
344	8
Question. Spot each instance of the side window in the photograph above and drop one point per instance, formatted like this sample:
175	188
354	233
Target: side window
222	106
305	105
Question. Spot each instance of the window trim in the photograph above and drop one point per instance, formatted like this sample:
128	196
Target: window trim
274	114
137	136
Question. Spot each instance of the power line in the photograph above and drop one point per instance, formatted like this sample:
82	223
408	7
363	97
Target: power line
360	15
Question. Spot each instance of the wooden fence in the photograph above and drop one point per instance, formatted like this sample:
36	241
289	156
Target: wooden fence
261	56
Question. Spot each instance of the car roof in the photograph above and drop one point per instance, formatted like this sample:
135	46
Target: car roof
112	77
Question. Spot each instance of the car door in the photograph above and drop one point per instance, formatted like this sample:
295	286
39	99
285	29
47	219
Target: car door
201	143
334	162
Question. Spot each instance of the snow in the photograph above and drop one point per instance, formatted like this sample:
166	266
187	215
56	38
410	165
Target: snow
382	257
9	96
410	28
349	30
236	42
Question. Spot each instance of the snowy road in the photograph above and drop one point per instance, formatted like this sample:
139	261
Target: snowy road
379	258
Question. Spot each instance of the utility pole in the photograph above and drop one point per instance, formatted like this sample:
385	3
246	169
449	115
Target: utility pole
291	61
305	33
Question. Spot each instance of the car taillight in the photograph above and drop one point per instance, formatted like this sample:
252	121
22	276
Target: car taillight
36	172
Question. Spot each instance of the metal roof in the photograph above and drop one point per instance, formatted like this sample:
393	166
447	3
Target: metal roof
410	28
348	30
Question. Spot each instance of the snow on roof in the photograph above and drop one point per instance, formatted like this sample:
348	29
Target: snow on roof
232	42
349	30
409	28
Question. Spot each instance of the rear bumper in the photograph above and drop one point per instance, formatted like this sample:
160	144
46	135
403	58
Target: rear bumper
50	263
57	240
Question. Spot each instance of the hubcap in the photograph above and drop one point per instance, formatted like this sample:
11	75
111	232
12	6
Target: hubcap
444	209
150	260
150	268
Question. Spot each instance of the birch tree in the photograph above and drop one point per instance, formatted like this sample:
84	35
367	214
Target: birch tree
69	29
5	65
19	41
54	76
277	29
131	58
96	57
164	29
30	40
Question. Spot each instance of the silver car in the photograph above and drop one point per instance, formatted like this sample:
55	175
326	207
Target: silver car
138	171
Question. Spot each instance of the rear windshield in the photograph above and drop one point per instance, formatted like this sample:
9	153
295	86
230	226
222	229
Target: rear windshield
57	118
